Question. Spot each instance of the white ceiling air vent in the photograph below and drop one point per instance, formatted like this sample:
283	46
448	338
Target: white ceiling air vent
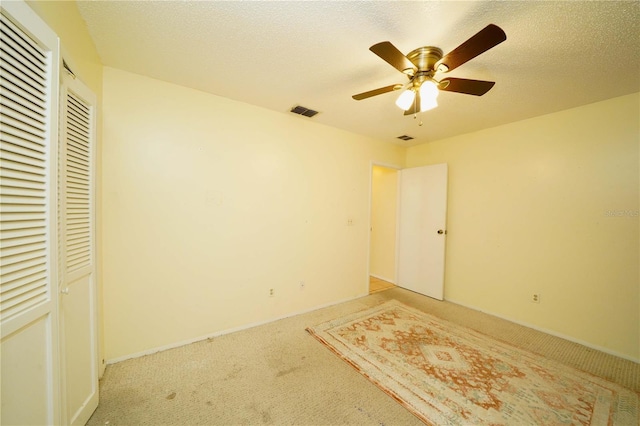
405	137
303	111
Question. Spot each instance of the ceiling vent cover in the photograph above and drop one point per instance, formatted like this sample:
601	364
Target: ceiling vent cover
303	111
405	137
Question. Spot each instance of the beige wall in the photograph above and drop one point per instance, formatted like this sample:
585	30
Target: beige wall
209	203
79	52
529	211
384	197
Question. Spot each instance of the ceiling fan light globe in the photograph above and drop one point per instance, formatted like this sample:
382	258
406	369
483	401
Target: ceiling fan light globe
405	100
427	104
428	91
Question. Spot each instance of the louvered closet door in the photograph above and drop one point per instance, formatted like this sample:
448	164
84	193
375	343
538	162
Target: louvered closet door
28	157
78	316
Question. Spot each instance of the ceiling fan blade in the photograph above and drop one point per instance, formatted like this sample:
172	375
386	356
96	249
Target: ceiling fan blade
463	85
389	53
380	91
490	36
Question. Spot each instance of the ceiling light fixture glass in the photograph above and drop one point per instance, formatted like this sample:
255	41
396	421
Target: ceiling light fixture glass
428	94
406	98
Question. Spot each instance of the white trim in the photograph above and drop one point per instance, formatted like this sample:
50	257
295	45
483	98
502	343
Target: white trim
386	165
548	331
396	271
227	331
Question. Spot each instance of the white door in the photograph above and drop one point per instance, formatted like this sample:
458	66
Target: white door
422	229
78	315
28	218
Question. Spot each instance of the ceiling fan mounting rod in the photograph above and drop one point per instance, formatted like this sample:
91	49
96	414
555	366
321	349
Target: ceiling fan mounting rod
422	76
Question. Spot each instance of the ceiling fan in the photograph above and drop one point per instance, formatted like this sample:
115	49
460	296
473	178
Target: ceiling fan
422	64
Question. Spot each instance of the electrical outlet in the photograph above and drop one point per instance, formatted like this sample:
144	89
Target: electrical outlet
535	298
272	292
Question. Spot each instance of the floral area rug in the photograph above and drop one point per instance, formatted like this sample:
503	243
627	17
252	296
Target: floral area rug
446	374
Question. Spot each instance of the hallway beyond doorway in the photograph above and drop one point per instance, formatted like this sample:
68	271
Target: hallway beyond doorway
376	285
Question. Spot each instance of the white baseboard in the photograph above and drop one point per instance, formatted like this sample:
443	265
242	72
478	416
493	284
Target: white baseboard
547	331
223	332
256	324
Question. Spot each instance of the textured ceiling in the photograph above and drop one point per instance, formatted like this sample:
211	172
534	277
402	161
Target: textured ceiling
278	54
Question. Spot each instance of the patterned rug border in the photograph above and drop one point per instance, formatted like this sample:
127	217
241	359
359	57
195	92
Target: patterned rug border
356	367
543	361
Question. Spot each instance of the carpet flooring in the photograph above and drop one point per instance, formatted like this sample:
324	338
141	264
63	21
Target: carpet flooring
279	374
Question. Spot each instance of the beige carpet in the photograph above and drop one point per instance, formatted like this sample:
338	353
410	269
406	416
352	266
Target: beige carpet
279	374
447	374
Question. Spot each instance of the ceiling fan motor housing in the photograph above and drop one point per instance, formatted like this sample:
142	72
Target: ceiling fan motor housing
425	58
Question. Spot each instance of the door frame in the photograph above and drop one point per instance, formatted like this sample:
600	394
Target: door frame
397	168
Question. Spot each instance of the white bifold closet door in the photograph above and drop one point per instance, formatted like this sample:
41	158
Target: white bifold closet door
28	209
78	310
